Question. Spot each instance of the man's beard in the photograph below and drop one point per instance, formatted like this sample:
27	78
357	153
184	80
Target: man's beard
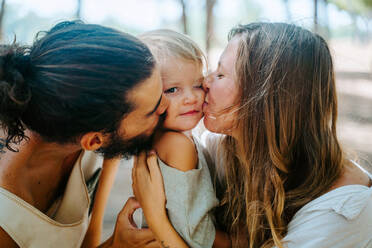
119	147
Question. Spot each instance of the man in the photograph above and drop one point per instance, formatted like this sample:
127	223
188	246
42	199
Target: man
80	88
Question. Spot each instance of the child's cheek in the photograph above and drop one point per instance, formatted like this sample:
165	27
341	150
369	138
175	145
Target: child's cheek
202	97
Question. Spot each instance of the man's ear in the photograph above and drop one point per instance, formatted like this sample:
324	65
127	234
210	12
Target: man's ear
92	141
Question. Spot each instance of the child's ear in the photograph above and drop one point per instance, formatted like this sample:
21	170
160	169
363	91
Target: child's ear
92	141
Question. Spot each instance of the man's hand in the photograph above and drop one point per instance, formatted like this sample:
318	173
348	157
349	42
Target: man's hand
126	234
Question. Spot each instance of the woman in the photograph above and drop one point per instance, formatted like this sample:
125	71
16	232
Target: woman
279	168
79	88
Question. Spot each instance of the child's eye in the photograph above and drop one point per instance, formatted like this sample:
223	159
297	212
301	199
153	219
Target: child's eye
199	86
171	90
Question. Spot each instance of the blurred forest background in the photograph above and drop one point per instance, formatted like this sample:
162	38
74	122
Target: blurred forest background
345	24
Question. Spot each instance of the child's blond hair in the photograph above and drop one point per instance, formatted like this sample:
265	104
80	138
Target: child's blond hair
167	44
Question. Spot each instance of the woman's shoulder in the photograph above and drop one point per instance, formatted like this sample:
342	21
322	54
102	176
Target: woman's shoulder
353	174
177	150
343	213
348	197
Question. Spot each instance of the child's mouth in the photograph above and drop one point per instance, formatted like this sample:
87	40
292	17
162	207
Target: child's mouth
192	112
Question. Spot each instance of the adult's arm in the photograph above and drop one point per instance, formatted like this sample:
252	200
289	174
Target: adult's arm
149	191
222	240
107	178
6	240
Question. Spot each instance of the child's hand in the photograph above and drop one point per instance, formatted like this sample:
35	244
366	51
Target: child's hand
148	188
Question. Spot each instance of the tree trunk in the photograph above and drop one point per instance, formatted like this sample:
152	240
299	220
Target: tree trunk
315	28
327	34
184	16
2	12
287	10
209	34
78	10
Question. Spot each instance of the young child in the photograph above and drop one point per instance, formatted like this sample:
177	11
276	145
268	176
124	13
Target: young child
187	182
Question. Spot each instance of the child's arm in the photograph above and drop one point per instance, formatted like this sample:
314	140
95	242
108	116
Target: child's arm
107	178
149	191
189	190
177	150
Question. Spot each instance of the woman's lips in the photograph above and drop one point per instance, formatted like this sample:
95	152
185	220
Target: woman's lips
205	105
206	113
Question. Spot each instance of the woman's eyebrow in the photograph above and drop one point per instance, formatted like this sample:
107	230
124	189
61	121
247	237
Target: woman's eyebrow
156	107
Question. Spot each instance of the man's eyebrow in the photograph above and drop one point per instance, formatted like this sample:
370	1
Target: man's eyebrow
156	107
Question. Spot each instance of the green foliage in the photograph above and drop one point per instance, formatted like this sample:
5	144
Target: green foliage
368	3
356	7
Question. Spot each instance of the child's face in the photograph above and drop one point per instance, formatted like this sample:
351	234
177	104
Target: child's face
182	85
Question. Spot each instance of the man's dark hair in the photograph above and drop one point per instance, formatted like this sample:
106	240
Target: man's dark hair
74	79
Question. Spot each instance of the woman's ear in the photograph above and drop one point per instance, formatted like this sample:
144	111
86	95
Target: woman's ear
92	141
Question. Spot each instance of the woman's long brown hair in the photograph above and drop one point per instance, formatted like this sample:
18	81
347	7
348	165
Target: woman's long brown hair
285	152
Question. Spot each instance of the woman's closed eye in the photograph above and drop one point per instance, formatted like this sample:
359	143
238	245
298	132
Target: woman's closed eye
171	90
219	76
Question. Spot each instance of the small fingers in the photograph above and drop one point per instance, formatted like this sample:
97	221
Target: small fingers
141	160
152	164
141	169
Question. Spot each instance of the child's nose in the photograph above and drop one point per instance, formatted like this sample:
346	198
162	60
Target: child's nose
190	98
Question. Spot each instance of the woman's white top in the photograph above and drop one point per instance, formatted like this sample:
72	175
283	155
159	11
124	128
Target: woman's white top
66	221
